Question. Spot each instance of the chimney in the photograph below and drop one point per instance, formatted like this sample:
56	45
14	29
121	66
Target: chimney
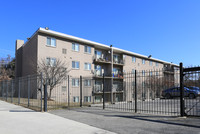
19	44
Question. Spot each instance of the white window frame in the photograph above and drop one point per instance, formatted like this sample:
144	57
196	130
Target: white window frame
98	70
87	83
87	66
75	98
75	83
87	98
133	59
97	55
50	61
143	61
156	64
51	42
86	48
133	70
150	63
116	58
75	65
74	47
143	72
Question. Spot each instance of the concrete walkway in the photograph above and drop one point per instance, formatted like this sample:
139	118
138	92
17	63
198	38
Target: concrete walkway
18	120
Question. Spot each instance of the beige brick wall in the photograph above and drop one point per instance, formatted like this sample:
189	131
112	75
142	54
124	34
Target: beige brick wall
29	58
56	52
138	65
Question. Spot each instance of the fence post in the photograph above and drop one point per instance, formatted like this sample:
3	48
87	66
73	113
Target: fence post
12	91
182	109
81	91
28	90
41	91
6	90
19	93
3	90
135	91
68	94
103	91
45	97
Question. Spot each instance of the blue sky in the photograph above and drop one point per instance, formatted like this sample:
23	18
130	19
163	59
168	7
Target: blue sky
167	29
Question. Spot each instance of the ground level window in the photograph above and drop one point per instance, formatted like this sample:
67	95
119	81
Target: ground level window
76	99
98	98
87	98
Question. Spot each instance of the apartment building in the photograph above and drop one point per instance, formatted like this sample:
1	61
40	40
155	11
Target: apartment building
85	58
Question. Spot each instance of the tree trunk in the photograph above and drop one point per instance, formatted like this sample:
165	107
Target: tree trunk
49	95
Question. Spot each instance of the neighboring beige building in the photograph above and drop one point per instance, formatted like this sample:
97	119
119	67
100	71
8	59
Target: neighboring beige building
86	58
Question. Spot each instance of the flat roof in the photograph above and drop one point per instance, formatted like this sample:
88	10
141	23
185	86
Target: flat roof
70	37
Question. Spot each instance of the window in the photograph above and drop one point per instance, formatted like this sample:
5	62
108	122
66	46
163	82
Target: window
116	72
75	64
143	84
117	86
133	70
64	88
157	64
151	73
75	47
64	51
143	72
98	87
87	98
98	54
143	61
87	83
76	99
87	66
156	73
116	58
75	82
87	49
98	70
150	63
50	61
51	42
133	59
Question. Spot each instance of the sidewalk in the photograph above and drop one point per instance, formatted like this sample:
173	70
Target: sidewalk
18	120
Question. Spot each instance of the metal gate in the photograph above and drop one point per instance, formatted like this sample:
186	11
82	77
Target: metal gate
190	91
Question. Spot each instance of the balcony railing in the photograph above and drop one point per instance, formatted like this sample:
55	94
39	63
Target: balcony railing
120	61
119	75
102	59
168	70
98	88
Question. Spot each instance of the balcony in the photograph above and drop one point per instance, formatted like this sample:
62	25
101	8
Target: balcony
98	88
118	62
102	59
168	70
114	76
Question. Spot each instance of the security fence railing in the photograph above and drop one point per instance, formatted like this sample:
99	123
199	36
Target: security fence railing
143	92
24	91
151	91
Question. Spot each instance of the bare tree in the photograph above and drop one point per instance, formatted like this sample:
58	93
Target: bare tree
54	72
7	68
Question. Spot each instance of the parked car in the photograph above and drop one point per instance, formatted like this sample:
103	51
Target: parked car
194	88
175	92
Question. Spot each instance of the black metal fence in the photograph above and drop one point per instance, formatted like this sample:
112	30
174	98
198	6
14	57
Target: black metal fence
24	91
191	91
146	91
